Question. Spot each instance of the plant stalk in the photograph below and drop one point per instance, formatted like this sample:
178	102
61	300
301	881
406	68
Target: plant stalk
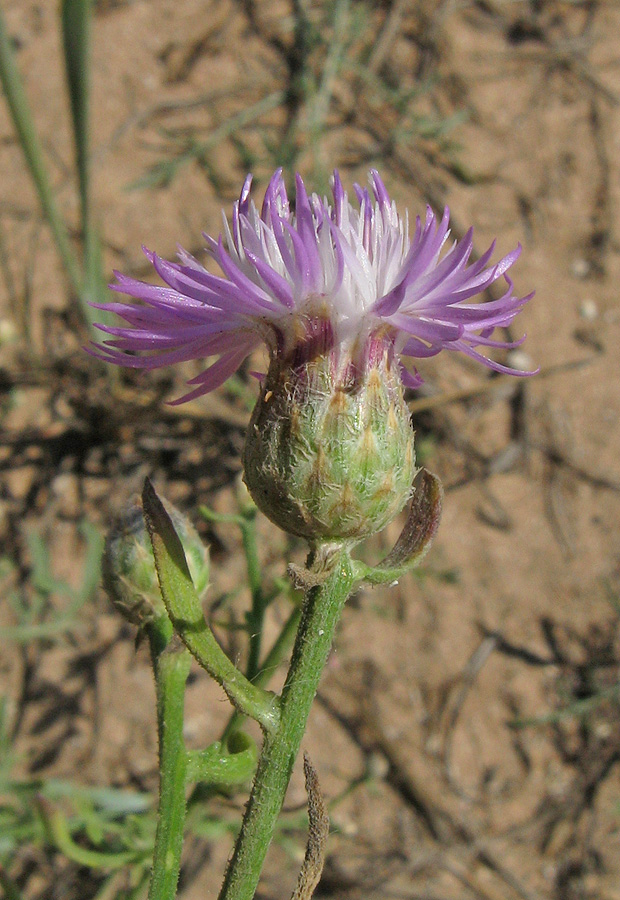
256	616
171	670
323	605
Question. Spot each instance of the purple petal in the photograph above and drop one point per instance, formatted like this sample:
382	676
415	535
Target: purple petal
379	188
411	380
306	229
250	291
356	259
490	363
339	198
303	268
415	347
216	374
278	285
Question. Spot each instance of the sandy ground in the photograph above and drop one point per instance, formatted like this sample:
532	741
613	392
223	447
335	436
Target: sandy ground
514	615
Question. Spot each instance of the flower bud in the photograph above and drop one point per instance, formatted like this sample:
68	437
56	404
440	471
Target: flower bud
330	449
129	574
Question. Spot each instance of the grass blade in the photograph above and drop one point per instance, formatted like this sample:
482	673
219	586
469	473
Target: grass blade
76	18
31	147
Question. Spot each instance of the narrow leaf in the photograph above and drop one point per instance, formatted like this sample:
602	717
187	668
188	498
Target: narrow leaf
76	17
185	610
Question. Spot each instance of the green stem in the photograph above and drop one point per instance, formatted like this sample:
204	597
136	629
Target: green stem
268	666
322	608
171	670
256	616
280	648
233	728
223	763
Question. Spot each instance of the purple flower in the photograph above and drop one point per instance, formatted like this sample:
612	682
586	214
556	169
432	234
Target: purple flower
354	268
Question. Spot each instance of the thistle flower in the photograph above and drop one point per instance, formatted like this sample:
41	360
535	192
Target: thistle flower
340	295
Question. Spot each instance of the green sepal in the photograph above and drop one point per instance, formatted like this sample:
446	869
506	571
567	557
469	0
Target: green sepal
224	762
415	538
185	611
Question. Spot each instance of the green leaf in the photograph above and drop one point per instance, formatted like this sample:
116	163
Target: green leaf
185	610
75	19
76	16
112	802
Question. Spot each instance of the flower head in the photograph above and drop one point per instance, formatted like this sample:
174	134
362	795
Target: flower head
340	272
340	294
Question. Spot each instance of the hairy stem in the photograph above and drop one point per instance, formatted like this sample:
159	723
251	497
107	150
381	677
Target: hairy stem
269	665
322	608
171	670
256	616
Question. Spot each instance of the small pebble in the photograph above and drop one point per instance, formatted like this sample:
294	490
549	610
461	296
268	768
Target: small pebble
378	766
588	309
19	481
580	268
66	489
602	730
8	331
518	359
347	826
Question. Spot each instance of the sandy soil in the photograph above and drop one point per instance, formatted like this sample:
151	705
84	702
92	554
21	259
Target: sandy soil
515	614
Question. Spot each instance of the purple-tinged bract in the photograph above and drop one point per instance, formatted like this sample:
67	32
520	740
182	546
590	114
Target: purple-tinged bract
350	272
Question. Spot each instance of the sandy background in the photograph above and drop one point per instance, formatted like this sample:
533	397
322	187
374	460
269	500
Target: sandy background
515	614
